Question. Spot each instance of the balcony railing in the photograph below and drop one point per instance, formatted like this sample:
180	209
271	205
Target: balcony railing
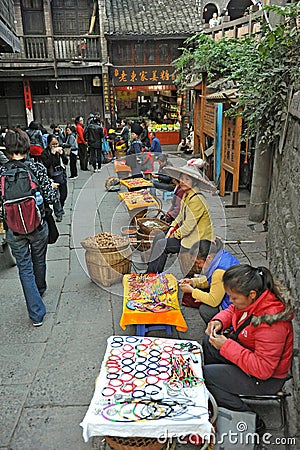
70	48
237	28
59	48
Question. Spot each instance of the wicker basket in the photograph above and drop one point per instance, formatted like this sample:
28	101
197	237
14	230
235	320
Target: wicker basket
133	443
157	225
145	241
106	267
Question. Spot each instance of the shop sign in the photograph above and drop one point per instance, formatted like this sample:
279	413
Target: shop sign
106	95
142	75
27	94
209	118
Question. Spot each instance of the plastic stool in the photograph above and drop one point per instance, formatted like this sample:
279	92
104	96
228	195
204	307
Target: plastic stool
142	329
167	195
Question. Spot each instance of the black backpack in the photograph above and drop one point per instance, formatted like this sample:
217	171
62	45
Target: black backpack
18	187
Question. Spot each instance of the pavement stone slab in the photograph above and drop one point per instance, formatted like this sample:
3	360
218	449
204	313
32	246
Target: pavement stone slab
50	428
70	364
76	307
12	398
19	362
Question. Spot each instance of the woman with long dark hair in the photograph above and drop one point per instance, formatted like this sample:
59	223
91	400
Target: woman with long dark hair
256	357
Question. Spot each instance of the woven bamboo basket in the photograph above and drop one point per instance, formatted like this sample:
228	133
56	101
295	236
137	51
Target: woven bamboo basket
133	443
107	267
144	241
148	225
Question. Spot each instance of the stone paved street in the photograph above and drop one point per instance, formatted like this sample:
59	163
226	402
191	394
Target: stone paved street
47	374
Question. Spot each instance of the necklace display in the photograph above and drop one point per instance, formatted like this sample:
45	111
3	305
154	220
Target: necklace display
150	292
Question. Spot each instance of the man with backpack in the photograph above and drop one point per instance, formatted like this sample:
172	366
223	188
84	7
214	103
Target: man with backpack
25	187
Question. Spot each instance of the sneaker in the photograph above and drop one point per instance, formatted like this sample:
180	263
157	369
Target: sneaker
59	219
38	324
73	178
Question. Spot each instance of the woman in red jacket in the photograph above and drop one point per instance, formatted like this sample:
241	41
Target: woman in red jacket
258	359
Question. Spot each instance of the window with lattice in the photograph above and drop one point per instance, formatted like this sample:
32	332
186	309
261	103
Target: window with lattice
33	17
72	17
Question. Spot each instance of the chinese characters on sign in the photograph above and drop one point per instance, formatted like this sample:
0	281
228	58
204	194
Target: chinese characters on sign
106	95
27	94
142	75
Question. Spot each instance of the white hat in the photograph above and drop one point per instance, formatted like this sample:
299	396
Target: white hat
192	172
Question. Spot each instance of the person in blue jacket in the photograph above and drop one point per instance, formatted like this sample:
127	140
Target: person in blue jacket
155	143
207	290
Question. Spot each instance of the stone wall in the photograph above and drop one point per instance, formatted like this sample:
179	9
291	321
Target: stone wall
284	226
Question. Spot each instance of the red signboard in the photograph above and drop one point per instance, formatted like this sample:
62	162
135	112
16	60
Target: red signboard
27	94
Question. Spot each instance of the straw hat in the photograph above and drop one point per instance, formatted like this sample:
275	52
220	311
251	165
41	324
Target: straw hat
191	171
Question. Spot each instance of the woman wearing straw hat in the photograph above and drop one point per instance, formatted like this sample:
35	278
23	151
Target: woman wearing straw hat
193	222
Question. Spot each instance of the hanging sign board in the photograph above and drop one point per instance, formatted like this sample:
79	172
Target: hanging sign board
142	75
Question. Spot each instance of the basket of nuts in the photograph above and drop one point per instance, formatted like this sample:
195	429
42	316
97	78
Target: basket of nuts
107	257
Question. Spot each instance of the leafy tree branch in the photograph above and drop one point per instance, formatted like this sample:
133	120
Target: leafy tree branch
263	67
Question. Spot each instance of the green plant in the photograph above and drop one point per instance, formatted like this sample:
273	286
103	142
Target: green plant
264	69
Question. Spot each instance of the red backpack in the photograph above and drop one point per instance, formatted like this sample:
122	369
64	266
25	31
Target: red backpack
18	187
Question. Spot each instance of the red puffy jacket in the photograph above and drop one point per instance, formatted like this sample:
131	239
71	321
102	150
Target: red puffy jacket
265	346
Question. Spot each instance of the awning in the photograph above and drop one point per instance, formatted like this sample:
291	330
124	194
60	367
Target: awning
194	84
224	96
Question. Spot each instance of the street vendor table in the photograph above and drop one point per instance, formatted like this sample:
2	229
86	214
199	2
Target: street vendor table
151	299
138	202
134	184
149	387
121	168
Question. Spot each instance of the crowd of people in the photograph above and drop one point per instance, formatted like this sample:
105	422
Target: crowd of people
255	356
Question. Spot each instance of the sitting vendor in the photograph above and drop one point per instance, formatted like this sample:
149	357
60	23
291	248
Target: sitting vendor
257	359
208	290
192	224
174	209
161	180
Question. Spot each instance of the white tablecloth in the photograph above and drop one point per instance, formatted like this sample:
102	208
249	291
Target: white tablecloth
104	418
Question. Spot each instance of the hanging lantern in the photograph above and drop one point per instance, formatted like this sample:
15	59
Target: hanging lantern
96	81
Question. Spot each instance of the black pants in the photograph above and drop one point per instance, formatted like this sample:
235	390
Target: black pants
95	157
83	157
208	312
226	381
160	249
73	165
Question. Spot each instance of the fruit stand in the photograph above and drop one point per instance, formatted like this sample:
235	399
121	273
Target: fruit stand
168	134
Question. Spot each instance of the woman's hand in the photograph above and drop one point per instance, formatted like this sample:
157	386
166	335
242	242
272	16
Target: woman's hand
189	281
217	340
213	327
187	288
59	150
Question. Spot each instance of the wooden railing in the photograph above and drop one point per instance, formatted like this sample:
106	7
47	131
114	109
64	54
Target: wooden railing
236	28
76	47
59	48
